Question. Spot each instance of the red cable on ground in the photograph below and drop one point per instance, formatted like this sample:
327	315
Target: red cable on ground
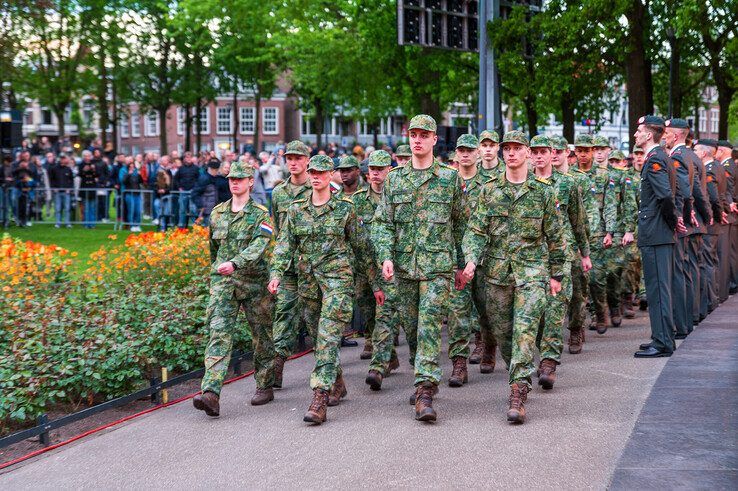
127	418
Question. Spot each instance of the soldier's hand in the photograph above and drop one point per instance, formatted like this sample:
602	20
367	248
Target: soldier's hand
607	241
273	286
555	286
586	264
724	218
388	270
459	281
712	221
627	238
226	268
734	208
379	297
468	273
695	223
680	228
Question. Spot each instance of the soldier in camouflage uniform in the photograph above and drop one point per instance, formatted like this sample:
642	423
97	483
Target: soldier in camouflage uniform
353	186
240	240
324	233
632	273
550	339
516	229
403	154
417	227
287	320
490	164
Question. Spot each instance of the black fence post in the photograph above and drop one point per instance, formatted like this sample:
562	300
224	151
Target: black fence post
43	437
156	395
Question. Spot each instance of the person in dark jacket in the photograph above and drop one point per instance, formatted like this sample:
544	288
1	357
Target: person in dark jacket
25	183
88	184
184	181
211	188
61	177
132	183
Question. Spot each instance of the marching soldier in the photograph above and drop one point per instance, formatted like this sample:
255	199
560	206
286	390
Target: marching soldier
403	154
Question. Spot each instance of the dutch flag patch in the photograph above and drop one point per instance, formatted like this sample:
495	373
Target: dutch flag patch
266	228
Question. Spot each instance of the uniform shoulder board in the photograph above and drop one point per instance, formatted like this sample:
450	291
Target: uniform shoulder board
577	169
396	168
261	207
543	180
448	167
301	200
220	206
620	169
726	164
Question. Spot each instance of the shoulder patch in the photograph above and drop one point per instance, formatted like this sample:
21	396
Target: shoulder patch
543	180
656	167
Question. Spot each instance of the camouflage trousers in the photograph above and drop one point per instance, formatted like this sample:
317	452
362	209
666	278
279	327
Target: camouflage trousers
422	306
386	327
287	321
515	312
631	279
367	304
604	277
615	265
479	299
550	339
579	294
463	320
327	309
222	312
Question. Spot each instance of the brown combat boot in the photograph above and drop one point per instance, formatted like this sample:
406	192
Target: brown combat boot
367	353
615	317
518	396
487	364
476	355
338	392
459	375
547	373
576	339
414	397
374	380
262	396
424	402
601	324
208	402
316	413
394	364
278	371
627	304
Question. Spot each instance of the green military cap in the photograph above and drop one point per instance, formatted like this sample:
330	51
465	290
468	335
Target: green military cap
600	141
380	158
451	156
540	141
515	136
651	120
467	140
403	151
239	170
559	143
296	147
583	140
348	162
616	154
678	123
423	122
320	163
638	150
489	135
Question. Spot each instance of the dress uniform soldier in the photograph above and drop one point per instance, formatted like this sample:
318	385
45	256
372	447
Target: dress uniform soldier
240	238
550	339
418	228
403	154
324	233
286	314
657	220
516	229
725	149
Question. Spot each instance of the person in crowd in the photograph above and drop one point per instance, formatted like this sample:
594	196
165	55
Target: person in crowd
88	185
184	180
210	189
131	185
62	182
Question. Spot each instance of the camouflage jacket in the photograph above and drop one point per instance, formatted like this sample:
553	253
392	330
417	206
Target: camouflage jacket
573	216
325	240
494	172
283	195
471	189
517	230
621	203
243	238
366	201
419	221
599	222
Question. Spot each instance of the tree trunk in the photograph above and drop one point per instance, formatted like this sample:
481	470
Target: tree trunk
234	117
637	69
198	127
375	134
567	117
531	115
257	118
319	118
697	117
102	99
115	117
163	149
675	75
188	128
59	112
725	95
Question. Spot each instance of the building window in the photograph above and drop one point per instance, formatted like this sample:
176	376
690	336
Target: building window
180	120
152	124
135	125
703	120
270	117
714	120
224	121
204	121
247	120
124	126
46	116
306	125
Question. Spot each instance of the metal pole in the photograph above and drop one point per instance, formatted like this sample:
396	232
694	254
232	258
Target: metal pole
482	44
490	116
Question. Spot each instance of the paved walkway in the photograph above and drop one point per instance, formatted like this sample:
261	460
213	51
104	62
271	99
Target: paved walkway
573	439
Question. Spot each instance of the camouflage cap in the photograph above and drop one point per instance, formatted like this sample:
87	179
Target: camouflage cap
239	170
489	135
515	136
583	140
467	140
559	143
320	163
540	141
423	122
600	141
616	155
638	150
403	151
380	158
451	156
296	147
348	162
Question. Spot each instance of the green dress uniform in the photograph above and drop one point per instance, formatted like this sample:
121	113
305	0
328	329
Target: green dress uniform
243	238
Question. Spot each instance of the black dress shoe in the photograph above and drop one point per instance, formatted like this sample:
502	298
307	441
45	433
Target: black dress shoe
348	343
651	352
681	336
645	346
